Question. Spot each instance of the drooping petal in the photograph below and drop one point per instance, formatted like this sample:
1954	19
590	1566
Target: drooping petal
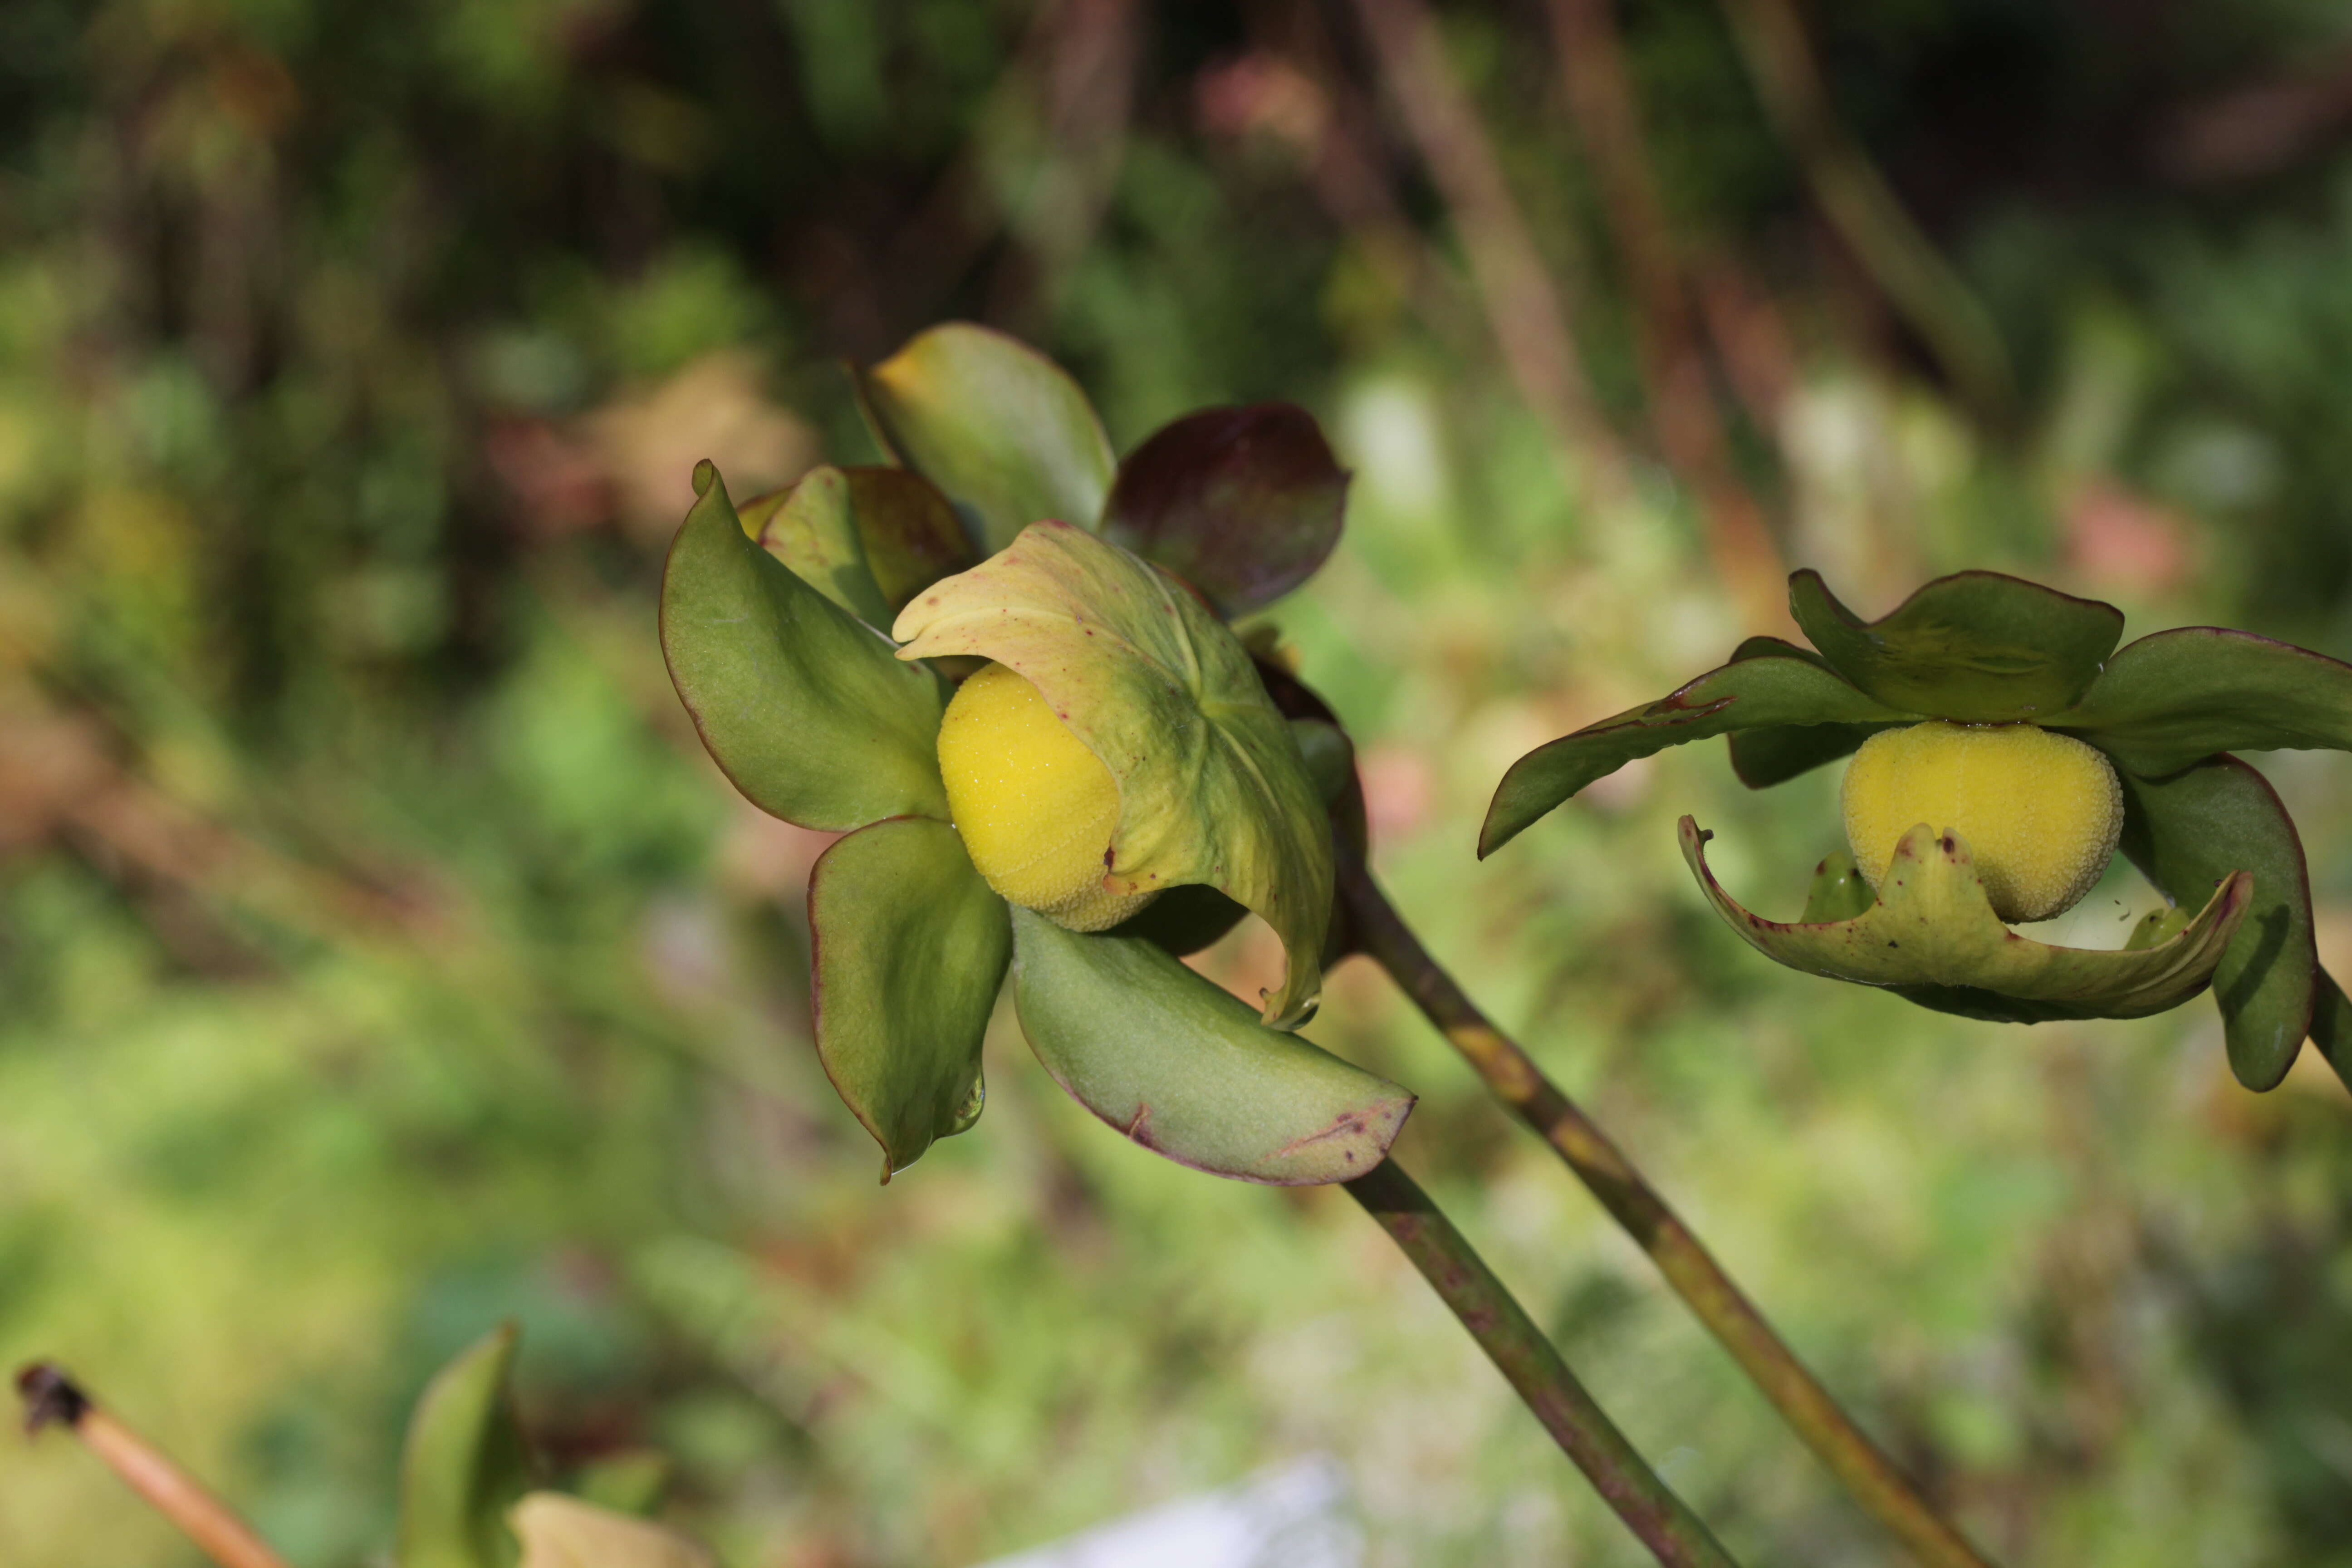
911	948
2188	832
1179	1065
807	711
1931	936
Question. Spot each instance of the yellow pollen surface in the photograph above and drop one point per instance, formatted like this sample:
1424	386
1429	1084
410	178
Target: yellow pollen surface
2040	810
1035	808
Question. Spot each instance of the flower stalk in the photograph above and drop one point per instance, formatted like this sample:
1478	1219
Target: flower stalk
1528	1360
52	1397
1860	1466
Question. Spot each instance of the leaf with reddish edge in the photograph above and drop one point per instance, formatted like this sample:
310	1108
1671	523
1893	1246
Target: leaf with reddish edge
911	948
1002	430
1212	787
1185	1070
808	711
1931	937
1242	504
2189	831
1975	646
1751	693
1778	753
2177	697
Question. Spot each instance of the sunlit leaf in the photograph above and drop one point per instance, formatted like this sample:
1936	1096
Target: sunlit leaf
1242	504
465	1463
910	949
2188	832
1751	693
803	708
2178	696
558	1532
1977	647
1182	1067
1932	937
1212	788
999	428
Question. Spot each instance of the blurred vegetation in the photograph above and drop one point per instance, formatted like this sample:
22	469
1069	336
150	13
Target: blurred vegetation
381	957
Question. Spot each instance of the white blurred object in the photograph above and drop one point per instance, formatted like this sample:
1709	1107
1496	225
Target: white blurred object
1295	1516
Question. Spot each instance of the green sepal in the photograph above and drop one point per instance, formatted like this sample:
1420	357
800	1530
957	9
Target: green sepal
812	528
867	539
2187	832
464	1462
2176	698
1839	891
804	709
1748	694
1931	937
2331	1025
1212	787
1975	646
558	1532
999	428
909	949
1242	504
1182	1067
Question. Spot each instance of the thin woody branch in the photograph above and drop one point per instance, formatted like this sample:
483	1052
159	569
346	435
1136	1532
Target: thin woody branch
53	1399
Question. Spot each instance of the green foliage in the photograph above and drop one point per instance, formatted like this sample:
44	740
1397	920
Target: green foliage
466	1463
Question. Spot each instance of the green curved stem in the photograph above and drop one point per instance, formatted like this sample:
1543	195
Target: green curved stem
1860	1467
1662	1522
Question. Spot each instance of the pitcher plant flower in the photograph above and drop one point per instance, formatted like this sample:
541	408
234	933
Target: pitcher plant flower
2003	747
1047	755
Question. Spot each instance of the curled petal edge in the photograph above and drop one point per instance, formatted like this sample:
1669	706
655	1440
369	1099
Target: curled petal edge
1931	936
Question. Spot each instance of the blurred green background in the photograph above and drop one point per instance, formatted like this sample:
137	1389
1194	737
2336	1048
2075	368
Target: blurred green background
380	956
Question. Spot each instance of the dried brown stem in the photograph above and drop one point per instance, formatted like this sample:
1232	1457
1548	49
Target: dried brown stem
51	1398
